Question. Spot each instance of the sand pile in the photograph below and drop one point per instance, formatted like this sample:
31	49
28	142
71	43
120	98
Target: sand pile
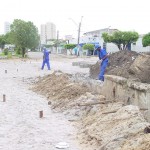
119	63
118	131
102	126
127	64
61	92
140	68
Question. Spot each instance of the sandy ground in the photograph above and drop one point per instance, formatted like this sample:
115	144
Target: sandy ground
20	125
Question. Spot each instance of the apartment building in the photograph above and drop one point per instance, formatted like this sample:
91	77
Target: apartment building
6	27
48	32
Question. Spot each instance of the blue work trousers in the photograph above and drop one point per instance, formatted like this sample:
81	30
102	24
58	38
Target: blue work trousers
103	67
46	62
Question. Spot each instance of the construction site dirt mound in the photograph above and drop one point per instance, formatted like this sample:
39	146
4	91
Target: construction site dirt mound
121	129
59	89
101	124
120	63
140	68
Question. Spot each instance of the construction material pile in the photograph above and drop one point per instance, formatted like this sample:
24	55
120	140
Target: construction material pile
102	124
128	64
121	129
60	90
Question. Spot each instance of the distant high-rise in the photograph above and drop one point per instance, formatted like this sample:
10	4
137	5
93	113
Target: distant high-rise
6	27
43	34
48	32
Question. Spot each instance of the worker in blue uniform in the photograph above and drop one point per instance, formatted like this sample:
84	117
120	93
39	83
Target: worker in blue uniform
46	59
103	57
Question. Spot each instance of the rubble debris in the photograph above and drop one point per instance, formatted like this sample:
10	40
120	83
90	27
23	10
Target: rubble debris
122	64
147	130
108	125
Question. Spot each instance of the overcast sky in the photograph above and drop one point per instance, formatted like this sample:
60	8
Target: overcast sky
125	15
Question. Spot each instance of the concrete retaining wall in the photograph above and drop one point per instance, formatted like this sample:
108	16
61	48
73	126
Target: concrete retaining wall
127	91
123	90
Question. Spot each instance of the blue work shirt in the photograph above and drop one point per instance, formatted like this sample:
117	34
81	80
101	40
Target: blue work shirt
46	55
102	54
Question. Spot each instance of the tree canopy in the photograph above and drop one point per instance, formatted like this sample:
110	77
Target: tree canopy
24	35
121	39
4	39
146	40
88	47
70	47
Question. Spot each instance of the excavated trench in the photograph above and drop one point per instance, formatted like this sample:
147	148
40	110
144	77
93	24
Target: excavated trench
102	122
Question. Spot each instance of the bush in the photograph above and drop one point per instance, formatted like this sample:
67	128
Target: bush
88	47
9	55
146	40
70	46
18	51
6	51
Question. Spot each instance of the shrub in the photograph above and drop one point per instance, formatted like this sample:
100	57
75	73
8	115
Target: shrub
6	51
18	50
88	47
146	40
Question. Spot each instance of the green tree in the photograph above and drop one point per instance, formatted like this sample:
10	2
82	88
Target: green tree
146	40
106	37
70	47
120	38
6	51
2	41
24	35
128	38
117	39
88	47
7	38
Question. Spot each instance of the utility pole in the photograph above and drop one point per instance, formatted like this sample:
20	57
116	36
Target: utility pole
57	41
79	30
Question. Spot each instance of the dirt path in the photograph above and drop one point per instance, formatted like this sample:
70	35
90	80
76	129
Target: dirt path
20	125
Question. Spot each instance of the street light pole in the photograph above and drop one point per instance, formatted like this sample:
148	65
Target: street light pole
108	29
57	41
79	30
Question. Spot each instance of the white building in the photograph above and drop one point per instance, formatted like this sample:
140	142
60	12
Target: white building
138	46
48	32
96	36
6	27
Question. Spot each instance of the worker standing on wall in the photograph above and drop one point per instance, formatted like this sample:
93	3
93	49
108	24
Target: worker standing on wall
103	57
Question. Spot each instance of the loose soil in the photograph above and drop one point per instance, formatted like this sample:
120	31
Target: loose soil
120	63
100	127
60	90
